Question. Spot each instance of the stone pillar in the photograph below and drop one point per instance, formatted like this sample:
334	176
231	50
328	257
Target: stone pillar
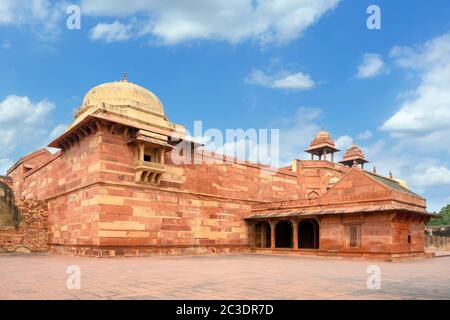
325	154
312	156
314	235
161	156
272	234
294	234
252	234
141	152
263	236
332	156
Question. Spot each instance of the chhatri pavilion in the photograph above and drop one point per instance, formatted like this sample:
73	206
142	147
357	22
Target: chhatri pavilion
114	189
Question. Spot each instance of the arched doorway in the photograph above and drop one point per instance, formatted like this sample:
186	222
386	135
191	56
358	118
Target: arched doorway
262	235
308	234
283	234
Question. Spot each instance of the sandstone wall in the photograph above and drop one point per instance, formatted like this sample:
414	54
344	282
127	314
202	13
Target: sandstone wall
240	181
198	208
97	208
437	238
67	183
29	234
315	176
380	234
76	168
74	217
27	164
374	235
407	235
140	221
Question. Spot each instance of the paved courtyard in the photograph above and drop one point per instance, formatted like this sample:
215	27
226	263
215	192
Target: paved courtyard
220	277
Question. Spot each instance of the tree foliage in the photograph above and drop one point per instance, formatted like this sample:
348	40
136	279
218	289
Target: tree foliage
443	219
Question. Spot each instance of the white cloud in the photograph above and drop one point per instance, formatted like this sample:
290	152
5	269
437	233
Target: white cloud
425	174
15	109
294	81
421	126
173	22
297	132
365	135
112	32
24	127
57	131
424	114
43	17
385	156
295	135
5	164
250	150
371	66
343	142
433	176
9	13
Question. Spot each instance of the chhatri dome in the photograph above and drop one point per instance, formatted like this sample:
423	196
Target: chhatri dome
323	134
354	151
322	145
323	137
123	93
353	155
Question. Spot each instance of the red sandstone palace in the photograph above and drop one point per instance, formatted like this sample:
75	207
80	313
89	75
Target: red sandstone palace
113	189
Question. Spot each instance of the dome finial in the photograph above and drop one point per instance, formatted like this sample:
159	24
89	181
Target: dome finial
125	76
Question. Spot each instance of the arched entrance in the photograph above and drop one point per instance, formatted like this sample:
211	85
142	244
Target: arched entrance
308	234
262	235
283	234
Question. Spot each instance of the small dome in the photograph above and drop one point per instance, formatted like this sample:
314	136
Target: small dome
354	152
323	137
323	134
123	93
353	155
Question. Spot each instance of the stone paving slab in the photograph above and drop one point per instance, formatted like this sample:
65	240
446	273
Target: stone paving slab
440	254
248	276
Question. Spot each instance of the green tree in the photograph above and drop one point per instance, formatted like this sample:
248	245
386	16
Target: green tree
444	218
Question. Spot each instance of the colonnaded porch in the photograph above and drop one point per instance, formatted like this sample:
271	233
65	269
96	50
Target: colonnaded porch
285	234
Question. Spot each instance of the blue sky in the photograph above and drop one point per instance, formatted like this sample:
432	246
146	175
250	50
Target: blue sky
296	65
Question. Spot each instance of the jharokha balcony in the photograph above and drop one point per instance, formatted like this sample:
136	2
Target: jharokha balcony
149	157
149	172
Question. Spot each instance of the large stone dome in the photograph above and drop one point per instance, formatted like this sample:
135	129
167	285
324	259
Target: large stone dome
123	93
